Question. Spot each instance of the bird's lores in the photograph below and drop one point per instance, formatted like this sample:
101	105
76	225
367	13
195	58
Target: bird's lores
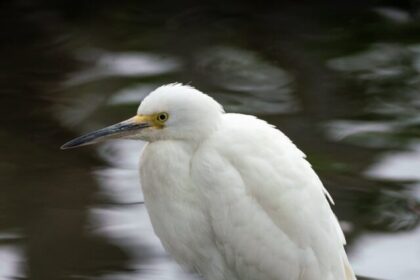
230	196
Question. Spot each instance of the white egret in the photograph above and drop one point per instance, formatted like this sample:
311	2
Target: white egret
230	196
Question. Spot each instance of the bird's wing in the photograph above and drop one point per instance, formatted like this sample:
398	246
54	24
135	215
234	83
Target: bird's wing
267	207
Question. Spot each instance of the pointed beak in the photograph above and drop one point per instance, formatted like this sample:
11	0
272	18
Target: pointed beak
120	130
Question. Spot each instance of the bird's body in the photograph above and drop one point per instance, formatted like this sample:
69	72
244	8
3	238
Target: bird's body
248	201
230	196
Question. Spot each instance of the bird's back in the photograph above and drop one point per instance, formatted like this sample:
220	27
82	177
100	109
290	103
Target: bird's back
266	205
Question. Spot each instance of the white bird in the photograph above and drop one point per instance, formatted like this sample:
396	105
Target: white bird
229	195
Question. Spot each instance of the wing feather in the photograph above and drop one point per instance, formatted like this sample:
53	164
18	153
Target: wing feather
267	207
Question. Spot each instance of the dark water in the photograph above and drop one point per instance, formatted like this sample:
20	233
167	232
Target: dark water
341	79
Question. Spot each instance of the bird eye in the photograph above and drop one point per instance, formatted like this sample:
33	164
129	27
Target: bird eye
162	117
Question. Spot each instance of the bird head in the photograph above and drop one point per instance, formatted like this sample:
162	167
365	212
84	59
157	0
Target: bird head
173	111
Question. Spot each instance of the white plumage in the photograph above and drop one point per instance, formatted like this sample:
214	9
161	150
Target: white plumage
230	196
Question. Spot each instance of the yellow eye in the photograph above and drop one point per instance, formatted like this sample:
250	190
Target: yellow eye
162	117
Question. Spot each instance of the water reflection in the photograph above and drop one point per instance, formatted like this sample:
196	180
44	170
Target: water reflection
394	15
126	64
372	255
121	216
132	95
400	165
255	86
11	257
388	74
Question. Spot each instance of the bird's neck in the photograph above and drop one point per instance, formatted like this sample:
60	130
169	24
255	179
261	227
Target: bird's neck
165	168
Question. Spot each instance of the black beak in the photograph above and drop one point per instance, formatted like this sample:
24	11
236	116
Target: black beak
119	130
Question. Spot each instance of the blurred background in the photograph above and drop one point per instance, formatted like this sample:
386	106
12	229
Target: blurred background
341	78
